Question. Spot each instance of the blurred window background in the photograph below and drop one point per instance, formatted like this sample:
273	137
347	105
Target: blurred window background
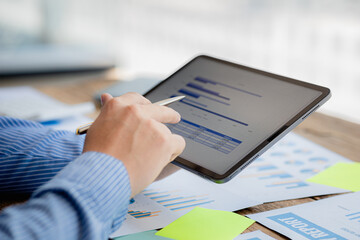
312	40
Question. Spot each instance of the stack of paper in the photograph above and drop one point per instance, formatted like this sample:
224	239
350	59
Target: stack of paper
29	103
281	172
166	200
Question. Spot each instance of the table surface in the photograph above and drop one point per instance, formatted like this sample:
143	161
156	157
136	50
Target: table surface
335	134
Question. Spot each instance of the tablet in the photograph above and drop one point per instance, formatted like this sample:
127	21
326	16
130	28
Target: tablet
233	113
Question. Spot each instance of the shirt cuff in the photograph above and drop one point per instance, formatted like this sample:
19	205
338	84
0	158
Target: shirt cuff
100	183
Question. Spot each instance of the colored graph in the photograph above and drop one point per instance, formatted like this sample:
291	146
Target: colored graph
260	159
274	174
143	214
266	175
294	162
354	216
262	166
212	82
277	175
264	171
282	172
202	89
205	136
303	151
198	95
320	160
278	154
310	171
177	202
289	184
184	101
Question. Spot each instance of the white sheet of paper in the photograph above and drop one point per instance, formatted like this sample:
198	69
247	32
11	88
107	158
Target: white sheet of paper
144	214
256	235
166	200
28	103
331	218
280	173
71	123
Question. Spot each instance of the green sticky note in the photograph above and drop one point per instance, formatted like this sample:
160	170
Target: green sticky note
341	175
202	223
148	235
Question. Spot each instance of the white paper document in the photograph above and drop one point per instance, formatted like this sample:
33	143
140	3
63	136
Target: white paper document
335	218
166	200
281	172
70	123
256	235
28	103
143	215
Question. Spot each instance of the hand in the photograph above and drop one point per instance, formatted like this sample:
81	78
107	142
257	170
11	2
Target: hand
167	171
132	130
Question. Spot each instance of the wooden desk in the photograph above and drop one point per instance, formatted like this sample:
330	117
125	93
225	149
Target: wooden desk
335	134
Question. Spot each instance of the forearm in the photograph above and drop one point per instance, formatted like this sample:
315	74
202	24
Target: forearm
82	202
31	154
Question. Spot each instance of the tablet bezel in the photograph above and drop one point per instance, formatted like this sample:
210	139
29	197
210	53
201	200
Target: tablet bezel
266	144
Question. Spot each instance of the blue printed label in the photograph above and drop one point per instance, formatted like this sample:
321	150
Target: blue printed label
304	227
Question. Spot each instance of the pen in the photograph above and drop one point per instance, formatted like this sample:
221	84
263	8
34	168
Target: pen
83	129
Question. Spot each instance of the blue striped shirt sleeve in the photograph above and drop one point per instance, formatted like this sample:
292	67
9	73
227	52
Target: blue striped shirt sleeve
88	199
31	154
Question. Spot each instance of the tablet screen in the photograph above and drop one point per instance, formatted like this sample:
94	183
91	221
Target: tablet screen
228	111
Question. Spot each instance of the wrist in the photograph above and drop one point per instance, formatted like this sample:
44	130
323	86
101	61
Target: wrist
97	179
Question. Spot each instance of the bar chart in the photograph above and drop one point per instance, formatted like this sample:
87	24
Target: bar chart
208	81
302	151
176	200
289	184
205	90
183	191
198	95
319	160
262	166
279	154
294	162
264	171
278	175
206	95
310	171
353	216
143	214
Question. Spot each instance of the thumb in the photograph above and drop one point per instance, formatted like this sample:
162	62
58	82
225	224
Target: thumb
105	97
